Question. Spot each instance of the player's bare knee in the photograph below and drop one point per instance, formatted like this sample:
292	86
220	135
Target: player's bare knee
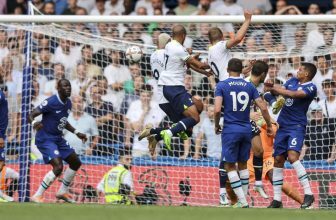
229	166
58	169
258	152
2	164
75	165
279	161
242	165
198	103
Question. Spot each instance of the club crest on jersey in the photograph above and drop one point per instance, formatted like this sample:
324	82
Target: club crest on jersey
44	103
56	152
289	102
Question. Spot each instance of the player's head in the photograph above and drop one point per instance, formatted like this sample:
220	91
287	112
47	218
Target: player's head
306	71
260	69
179	33
215	34
125	158
64	88
235	67
163	39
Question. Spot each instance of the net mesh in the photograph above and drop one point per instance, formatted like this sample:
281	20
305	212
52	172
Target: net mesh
107	106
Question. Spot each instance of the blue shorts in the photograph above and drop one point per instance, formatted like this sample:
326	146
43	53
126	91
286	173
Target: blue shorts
178	97
171	112
2	154
51	148
236	147
286	139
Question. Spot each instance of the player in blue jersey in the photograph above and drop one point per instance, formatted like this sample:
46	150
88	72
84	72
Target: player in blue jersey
235	95
299	93
50	142
3	128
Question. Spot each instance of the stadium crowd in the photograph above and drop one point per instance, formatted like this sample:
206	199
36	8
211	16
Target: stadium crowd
113	100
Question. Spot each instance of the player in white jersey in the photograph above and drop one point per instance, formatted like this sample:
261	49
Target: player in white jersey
157	66
180	107
219	51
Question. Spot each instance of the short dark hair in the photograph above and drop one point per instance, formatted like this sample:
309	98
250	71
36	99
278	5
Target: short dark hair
311	69
259	67
215	34
328	82
235	65
62	80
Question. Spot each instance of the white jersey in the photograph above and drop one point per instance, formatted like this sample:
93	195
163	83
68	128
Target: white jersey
175	58
157	66
218	58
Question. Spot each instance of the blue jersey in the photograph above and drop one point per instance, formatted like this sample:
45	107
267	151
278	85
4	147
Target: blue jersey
54	115
3	115
294	112
237	97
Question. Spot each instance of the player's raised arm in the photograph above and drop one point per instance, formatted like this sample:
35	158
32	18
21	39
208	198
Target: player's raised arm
241	32
264	111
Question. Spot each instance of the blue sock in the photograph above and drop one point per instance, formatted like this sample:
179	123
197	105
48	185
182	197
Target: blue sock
269	98
183	125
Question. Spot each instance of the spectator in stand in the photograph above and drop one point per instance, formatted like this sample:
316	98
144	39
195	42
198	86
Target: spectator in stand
263	5
157	4
68	54
72	8
140	113
80	79
316	38
230	7
87	55
128	7
135	71
301	46
39	4
201	42
134	95
138	31
99	8
141	11
103	113
328	37
87	4
329	103
3	44
116	75
143	4
323	72
213	141
334	76
204	8
81	11
184	8
114	6
14	52
48	8
50	86
333	10
46	65
85	124
320	137
280	5
314	9
268	43
251	44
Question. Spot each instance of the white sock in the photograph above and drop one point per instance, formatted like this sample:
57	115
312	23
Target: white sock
236	186
48	179
222	191
68	176
303	177
244	178
277	183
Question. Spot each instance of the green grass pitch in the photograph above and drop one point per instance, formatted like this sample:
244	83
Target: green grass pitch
29	211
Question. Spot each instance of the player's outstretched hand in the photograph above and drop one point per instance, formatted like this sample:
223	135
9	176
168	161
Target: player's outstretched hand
82	137
247	15
38	125
218	129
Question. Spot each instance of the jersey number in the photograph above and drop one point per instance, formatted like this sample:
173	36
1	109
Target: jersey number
166	60
215	69
242	98
156	74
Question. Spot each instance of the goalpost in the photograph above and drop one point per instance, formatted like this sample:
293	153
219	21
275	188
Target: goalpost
85	48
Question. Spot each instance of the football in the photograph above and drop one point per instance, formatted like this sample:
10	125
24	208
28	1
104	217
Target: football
133	54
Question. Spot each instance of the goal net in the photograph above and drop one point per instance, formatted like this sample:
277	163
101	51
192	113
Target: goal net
109	95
